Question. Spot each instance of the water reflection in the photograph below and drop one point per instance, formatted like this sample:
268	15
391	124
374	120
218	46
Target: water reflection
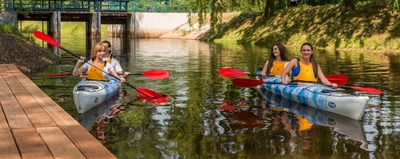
97	118
208	117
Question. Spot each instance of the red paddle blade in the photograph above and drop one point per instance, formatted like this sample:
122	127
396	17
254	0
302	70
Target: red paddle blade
228	107
339	79
160	101
46	38
230	72
245	82
367	90
146	93
156	74
62	74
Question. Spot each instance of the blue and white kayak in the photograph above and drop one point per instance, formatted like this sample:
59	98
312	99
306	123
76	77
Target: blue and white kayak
320	96
88	94
341	124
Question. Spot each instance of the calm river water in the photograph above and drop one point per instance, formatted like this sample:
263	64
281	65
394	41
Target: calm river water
197	122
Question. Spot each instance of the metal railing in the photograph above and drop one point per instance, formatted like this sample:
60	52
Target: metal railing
94	5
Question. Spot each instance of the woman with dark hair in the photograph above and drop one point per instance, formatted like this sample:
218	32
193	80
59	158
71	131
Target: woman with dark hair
305	69
277	61
114	62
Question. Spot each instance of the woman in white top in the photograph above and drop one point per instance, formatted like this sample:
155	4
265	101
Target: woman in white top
114	62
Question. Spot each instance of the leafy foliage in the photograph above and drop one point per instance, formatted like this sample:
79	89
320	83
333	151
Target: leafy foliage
7	28
215	8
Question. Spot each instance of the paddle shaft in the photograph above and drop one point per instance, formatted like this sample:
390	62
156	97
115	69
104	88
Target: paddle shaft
75	55
255	75
65	74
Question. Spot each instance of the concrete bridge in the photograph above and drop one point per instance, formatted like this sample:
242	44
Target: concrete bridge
122	20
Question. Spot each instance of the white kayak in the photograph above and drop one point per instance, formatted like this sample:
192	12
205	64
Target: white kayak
341	124
88	93
320	96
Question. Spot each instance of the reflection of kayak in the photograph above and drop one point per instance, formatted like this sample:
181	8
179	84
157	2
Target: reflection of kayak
88	118
341	124
321	97
88	94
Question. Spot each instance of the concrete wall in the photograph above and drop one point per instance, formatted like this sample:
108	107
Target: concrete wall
151	25
9	18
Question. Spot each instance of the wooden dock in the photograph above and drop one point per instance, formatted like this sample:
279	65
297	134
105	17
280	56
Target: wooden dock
32	125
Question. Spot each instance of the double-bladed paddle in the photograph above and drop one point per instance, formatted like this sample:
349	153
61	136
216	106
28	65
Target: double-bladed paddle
246	82
230	72
339	79
362	89
62	74
152	74
143	92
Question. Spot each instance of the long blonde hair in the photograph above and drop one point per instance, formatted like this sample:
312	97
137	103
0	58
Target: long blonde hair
95	49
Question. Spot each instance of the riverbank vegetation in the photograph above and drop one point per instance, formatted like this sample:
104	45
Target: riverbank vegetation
371	26
21	51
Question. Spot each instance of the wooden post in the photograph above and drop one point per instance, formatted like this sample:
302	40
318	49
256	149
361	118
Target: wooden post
55	30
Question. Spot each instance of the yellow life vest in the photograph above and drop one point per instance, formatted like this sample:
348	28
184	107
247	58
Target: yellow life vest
304	124
110	58
277	68
96	74
306	73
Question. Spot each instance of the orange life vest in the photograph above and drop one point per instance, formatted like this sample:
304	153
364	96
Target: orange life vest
96	74
277	68
304	72
304	124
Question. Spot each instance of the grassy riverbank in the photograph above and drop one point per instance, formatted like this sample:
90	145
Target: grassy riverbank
371	27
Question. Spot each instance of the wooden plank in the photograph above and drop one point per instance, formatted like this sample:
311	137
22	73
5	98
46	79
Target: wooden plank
88	144
8	149
78	142
3	121
14	114
59	144
31	144
59	116
34	111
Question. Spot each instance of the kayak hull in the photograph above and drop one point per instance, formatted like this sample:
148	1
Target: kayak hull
321	97
341	124
88	94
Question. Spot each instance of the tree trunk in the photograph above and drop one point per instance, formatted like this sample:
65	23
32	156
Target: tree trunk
269	8
349	5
